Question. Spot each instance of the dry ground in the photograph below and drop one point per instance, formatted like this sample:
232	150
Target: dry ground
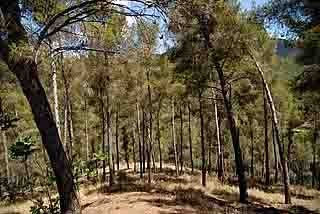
168	194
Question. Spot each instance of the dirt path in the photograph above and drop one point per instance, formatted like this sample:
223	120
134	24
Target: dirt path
184	194
134	203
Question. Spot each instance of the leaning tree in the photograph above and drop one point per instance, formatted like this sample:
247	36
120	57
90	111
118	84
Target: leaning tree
21	40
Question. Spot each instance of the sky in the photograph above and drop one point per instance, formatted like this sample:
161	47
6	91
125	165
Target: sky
247	4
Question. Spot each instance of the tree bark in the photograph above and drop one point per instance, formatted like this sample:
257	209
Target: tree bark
65	129
26	72
266	140
143	143
86	129
55	95
117	139
283	161
149	155
220	160
174	137
139	140
190	137
203	150
290	143
252	149
275	155
181	140
314	145
110	144
25	69
134	151
71	125
159	136
93	151
68	115
234	131
103	137
6	158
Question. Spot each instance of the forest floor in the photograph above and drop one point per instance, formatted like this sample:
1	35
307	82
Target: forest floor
170	194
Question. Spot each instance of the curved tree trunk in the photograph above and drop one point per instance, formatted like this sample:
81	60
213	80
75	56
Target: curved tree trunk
55	95
275	155
26	72
283	160
220	158
25	69
266	140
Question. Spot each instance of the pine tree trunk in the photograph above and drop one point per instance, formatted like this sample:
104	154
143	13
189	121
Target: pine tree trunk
234	131
117	139
70	132
159	138
134	151
149	155
190	137
6	158
26	72
252	150
68	127
210	146
103	137
266	140
65	128
275	155
55	95
174	137
203	149
314	145
283	161
153	158
139	141
219	157
290	143
71	126
143	143
93	151
181	140
110	144
86	129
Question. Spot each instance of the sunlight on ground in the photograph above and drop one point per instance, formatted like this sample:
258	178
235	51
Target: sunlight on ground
183	194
